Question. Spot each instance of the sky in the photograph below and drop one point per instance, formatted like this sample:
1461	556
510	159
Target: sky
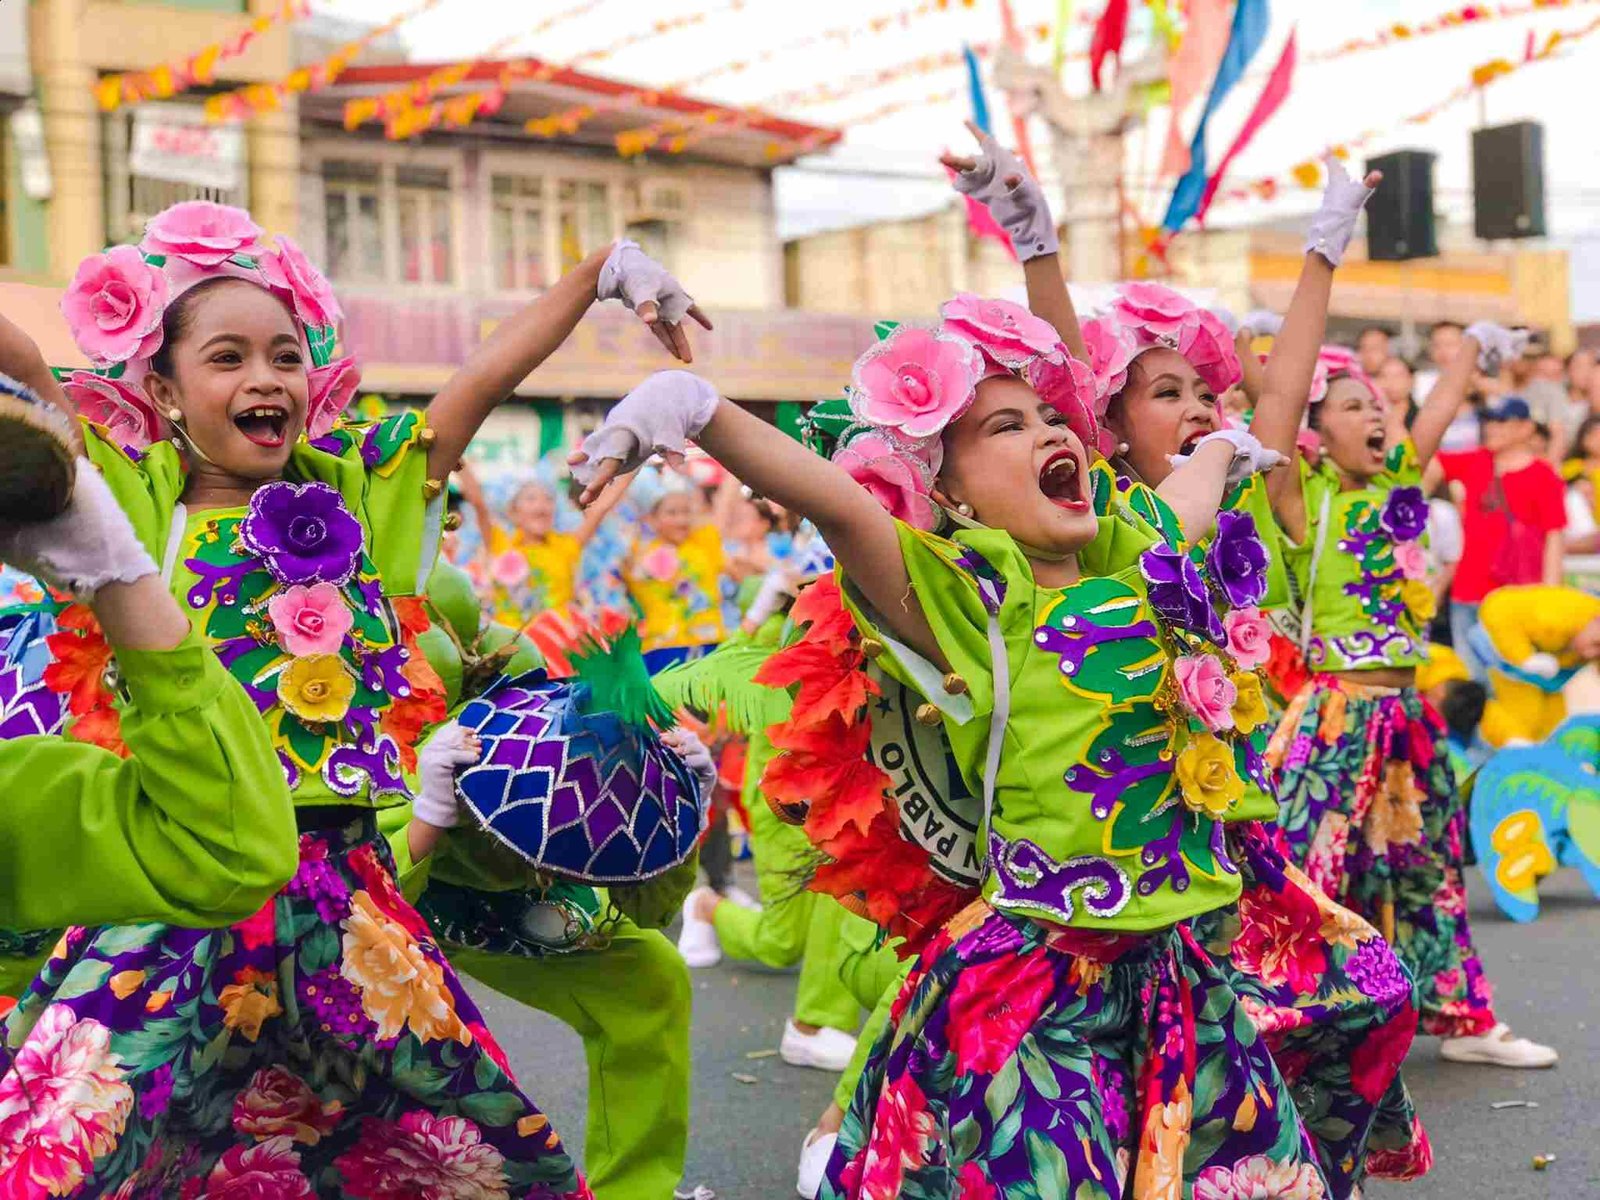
887	167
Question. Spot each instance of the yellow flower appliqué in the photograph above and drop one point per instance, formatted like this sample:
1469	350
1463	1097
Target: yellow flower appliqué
1207	776
1250	708
250	1001
317	688
1419	601
400	985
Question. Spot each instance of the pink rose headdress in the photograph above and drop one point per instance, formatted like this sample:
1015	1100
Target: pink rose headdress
117	301
1147	315
1334	362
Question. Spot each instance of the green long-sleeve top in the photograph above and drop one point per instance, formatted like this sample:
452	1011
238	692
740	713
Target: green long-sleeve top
195	828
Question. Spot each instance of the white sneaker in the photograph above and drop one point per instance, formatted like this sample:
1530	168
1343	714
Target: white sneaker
826	1049
742	898
1497	1048
698	942
814	1156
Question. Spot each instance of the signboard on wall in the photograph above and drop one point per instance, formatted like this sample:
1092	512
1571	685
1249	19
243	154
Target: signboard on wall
172	142
14	76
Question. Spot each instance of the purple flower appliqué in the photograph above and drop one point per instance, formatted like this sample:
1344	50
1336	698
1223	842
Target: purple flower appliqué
1238	560
1405	514
303	533
1178	592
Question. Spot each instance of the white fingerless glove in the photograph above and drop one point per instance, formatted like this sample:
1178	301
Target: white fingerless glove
1335	222
1250	457
657	417
1496	344
1263	323
1545	666
89	545
447	751
696	757
776	587
633	277
1022	211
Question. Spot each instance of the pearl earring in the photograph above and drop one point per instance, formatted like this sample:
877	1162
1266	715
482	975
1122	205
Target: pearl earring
1122	447
175	415
964	509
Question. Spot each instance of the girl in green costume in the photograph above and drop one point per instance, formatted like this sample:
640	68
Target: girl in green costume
1061	1032
1369	798
323	1046
1324	988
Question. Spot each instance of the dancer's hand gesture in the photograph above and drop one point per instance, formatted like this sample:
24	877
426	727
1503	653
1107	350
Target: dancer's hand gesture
998	180
1342	201
657	417
644	285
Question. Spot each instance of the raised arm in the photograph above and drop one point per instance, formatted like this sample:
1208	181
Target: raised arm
997	179
523	342
1484	346
472	493
602	508
672	406
1195	487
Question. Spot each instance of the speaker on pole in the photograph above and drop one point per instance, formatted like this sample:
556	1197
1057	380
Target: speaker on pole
1400	212
1508	181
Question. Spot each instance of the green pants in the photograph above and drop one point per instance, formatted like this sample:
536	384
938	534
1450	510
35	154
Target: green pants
630	1004
873	974
794	925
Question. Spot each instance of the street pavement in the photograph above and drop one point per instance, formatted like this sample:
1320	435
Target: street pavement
751	1110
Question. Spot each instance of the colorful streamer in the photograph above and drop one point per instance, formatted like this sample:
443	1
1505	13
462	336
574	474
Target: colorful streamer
980	102
269	97
1106	42
1271	99
198	69
1250	19
1457	18
1195	61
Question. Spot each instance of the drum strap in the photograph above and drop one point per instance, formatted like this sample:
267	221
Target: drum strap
999	714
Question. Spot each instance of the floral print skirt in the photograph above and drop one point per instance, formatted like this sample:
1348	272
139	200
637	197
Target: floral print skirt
1030	1061
1368	808
322	1048
1335	1006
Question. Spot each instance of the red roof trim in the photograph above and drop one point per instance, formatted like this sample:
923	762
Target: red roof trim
396	74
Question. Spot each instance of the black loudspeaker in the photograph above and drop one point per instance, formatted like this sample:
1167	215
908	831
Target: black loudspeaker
1508	181
1400	213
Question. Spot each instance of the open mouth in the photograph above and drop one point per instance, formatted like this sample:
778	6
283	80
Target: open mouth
265	425
1377	442
1190	442
1062	481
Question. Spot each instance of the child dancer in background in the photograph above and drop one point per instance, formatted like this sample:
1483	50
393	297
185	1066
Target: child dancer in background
296	556
1368	797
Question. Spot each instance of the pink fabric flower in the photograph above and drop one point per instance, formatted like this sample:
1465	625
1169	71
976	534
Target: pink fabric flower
278	1103
71	1110
330	390
1334	361
660	564
1280	939
509	569
1206	690
202	233
124	411
1249	637
114	306
890	475
903	1133
973	1184
993	1006
1006	332
1209	347
1112	349
1155	308
916	381
1260	1178
423	1157
1069	387
1412	561
288	270
310	620
1380	1053
269	1170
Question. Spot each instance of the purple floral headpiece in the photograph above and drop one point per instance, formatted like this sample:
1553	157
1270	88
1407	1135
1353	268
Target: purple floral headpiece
117	300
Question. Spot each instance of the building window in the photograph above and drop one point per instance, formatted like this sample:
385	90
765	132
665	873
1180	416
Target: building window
583	213
351	193
517	233
388	224
160	155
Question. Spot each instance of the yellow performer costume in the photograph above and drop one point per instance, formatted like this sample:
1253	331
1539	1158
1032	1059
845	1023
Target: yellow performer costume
1527	627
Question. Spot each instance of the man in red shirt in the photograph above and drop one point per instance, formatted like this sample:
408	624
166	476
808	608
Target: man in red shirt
1512	516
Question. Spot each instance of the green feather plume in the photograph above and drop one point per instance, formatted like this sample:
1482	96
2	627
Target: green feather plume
618	682
725	679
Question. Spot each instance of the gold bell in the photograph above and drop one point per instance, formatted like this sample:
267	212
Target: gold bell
426	438
955	685
928	714
871	647
432	489
452	521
